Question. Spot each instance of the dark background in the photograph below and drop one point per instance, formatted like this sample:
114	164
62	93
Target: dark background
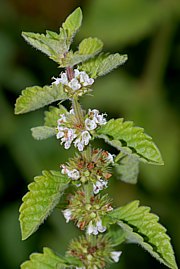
146	90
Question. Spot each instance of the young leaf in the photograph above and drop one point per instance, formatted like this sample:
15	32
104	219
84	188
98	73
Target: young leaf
43	132
142	227
128	168
36	97
88	48
51	44
133	137
103	64
47	260
72	24
44	194
52	116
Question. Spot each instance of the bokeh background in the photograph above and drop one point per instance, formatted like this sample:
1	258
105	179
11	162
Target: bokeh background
146	90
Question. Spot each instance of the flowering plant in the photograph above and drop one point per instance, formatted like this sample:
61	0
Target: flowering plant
105	228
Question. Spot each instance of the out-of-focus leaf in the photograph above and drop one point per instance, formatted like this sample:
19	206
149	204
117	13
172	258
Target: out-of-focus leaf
123	22
42	132
142	227
128	169
44	194
36	97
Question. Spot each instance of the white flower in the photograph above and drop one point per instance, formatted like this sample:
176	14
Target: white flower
60	132
67	214
90	124
63	79
74	174
110	158
100	227
64	169
91	229
99	185
115	255
95	228
98	118
74	84
76	73
82	140
85	79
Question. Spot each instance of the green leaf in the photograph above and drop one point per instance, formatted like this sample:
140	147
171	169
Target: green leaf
52	44
134	138
47	260
72	24
142	227
43	132
52	116
117	235
128	169
44	194
36	97
110	63
88	48
103	64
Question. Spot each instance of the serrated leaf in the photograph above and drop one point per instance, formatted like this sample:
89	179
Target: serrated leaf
52	116
134	138
110	63
72	24
103	64
52	44
44	194
36	97
142	227
43	132
128	169
47	260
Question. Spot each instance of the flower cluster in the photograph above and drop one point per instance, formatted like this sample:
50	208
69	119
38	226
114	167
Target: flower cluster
92	165
78	84
87	215
70	129
93	252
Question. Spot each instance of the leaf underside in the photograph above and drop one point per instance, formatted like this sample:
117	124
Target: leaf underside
43	132
142	227
134	138
44	194
36	97
128	169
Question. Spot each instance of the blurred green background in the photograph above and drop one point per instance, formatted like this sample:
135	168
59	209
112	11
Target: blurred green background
145	90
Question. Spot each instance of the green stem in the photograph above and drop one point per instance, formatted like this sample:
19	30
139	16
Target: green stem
78	110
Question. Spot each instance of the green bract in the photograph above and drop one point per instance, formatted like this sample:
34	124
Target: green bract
92	169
